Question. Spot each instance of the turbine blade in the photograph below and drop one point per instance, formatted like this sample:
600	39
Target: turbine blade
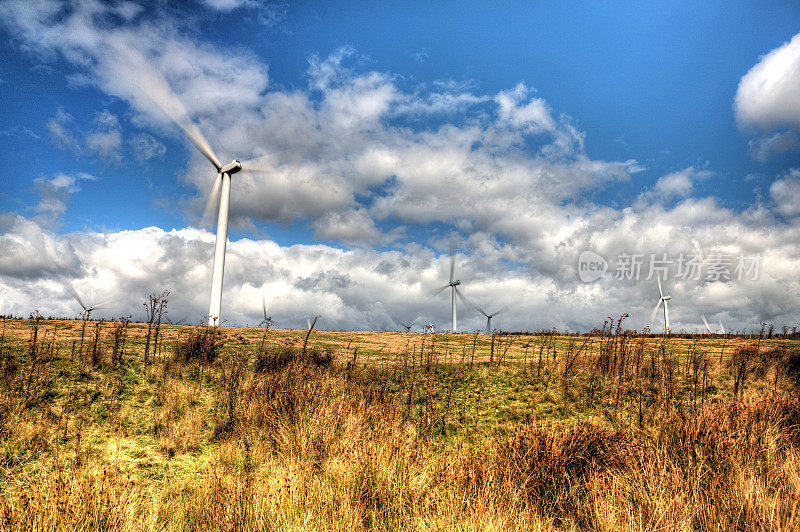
438	291
154	86
469	303
74	294
262	163
707	325
212	201
653	315
721	327
502	309
660	293
264	307
200	142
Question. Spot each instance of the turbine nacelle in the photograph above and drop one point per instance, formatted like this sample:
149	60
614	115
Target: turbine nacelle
231	168
454	283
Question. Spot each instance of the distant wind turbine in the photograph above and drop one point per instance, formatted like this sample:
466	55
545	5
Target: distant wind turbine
489	317
479	309
310	323
408	327
452	284
707	325
267	320
662	299
179	322
87	310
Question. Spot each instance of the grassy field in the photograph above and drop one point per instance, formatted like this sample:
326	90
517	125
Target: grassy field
104	425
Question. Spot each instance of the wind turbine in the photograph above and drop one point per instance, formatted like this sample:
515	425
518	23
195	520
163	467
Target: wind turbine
479	309
154	86
452	284
267	320
662	299
489	317
408	327
87	310
707	325
721	327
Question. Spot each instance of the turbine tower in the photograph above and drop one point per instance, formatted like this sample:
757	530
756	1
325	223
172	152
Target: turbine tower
222	187
452	284
662	299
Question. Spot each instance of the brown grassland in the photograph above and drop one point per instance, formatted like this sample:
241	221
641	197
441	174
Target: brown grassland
104	426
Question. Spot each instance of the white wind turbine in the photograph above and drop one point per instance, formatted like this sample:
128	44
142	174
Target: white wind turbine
479	309
452	284
408	327
152	84
721	328
267	319
489	317
87	310
707	325
662	299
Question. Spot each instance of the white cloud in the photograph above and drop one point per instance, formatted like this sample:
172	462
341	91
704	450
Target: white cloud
767	100
269	13
363	288
54	194
106	137
785	193
146	147
678	184
765	147
768	94
520	112
63	138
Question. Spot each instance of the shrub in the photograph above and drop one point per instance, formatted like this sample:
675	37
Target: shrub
201	345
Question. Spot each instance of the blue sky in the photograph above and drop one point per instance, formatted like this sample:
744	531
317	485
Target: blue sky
583	115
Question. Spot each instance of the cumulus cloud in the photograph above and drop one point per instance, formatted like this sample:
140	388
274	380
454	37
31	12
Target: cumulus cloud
767	97
343	155
678	184
785	193
54	193
367	289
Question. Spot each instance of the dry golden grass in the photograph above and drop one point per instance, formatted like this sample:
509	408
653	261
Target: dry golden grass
267	438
